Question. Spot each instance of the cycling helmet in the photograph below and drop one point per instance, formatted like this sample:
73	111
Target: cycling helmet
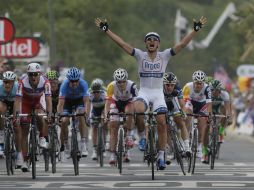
209	80
96	84
216	84
33	68
169	78
52	75
120	74
9	75
198	76
73	73
152	34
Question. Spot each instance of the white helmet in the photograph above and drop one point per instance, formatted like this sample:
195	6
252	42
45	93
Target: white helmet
9	75
120	74
152	34
33	68
198	76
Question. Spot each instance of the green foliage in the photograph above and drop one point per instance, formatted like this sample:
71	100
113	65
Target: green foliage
79	42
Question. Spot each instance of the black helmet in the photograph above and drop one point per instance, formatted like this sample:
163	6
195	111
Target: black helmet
169	78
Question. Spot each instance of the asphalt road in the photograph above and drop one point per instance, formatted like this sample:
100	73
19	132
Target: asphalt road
234	170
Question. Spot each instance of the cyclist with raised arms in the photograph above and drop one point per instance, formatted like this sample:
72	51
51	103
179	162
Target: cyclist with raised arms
151	67
175	103
34	92
220	105
96	105
8	88
74	96
197	95
120	94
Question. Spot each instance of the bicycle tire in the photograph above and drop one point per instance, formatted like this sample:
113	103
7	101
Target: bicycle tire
213	148
74	152
53	148
152	155
46	159
120	151
33	149
8	154
178	156
100	147
194	150
13	154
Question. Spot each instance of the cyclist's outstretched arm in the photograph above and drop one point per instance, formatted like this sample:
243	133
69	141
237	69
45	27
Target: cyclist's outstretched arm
184	42
60	105
103	25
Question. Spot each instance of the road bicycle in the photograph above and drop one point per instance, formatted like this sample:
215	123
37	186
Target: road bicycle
120	148
214	145
150	154
178	150
9	144
98	123
33	147
75	152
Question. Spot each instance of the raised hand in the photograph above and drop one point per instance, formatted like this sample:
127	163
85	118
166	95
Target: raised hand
102	24
197	25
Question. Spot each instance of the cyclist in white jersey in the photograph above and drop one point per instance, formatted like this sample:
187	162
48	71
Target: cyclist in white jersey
151	67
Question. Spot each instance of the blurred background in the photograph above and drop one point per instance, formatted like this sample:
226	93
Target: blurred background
69	37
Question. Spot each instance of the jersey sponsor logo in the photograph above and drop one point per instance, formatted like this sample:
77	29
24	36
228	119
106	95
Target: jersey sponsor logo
154	75
148	66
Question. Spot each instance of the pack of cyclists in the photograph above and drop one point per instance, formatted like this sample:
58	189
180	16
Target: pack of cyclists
159	91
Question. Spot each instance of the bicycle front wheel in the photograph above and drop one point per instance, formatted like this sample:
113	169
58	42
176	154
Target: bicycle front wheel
152	153
120	150
8	153
75	152
33	150
194	146
100	149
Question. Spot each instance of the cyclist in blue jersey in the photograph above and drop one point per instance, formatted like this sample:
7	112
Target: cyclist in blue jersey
73	95
8	88
151	67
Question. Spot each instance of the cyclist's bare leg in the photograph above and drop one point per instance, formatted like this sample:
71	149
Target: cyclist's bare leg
64	130
129	120
181	124
24	140
162	131
113	135
139	107
3	109
202	128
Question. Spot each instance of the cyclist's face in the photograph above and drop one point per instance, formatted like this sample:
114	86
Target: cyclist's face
54	85
8	84
152	44
215	92
198	86
74	83
34	78
121	84
96	94
169	87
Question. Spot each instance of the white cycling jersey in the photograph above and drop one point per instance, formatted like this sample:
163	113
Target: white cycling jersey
151	72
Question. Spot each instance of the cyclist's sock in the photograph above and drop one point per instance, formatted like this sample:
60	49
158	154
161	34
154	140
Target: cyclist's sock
204	150
161	154
221	130
83	140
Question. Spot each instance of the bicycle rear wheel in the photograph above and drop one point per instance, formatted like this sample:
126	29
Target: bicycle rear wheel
194	146
33	149
152	153
120	150
75	152
8	153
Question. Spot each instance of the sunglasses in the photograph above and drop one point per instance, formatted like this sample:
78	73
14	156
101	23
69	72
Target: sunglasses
74	81
33	74
121	82
152	39
7	82
169	84
96	92
199	83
